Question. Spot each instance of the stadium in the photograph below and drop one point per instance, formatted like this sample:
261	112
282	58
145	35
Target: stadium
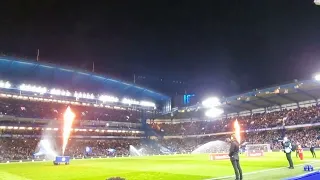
125	131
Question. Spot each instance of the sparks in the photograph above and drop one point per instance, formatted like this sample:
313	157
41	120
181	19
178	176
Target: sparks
68	118
237	131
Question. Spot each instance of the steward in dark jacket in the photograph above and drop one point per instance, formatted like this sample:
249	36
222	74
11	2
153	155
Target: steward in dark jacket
234	157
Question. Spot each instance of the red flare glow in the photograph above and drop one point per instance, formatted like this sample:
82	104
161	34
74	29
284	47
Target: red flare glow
68	118
237	131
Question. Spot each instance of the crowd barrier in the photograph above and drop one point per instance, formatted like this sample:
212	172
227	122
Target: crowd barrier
219	156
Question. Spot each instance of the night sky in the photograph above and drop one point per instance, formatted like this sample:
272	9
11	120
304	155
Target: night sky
218	47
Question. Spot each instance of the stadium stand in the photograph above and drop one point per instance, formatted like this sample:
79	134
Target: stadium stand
265	115
303	115
51	110
110	114
23	148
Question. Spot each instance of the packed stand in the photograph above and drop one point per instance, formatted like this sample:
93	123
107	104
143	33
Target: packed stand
285	117
38	132
52	110
303	137
24	148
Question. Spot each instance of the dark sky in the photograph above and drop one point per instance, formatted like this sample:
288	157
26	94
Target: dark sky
214	46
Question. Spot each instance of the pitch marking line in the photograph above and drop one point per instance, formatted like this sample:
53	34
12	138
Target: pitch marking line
260	171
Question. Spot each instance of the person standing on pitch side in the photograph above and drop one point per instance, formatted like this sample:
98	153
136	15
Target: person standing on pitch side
312	150
234	157
288	149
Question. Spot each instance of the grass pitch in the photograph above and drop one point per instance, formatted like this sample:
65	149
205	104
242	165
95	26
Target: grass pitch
172	167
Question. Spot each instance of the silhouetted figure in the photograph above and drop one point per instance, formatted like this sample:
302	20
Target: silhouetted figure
234	157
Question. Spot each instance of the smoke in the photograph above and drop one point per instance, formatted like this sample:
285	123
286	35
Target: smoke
47	146
46	149
134	151
212	147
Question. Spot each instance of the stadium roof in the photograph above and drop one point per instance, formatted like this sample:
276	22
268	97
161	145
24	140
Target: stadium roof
294	92
48	74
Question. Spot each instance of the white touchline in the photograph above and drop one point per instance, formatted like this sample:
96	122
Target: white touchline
256	172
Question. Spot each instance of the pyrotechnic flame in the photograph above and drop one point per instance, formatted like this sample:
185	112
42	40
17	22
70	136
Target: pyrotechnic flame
68	118
237	131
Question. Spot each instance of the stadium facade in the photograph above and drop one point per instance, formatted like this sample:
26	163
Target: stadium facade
54	77
26	83
275	98
286	96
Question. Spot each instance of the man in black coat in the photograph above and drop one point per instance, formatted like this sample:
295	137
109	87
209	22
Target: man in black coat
234	157
312	147
287	148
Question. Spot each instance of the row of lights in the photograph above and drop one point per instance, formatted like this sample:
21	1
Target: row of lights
75	130
78	95
5	84
58	101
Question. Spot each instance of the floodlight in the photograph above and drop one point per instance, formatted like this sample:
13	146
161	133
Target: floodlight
317	77
106	98
147	104
211	102
214	112
32	88
130	101
5	84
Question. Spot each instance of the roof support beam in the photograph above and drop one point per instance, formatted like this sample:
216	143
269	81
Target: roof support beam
288	98
307	94
252	104
233	109
238	107
271	103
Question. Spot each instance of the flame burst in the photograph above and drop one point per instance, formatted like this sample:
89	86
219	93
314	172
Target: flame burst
68	118
237	131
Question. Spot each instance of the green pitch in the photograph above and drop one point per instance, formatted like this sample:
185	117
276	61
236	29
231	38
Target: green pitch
171	167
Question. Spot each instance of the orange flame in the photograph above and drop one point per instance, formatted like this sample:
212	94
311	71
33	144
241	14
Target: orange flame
68	118
237	131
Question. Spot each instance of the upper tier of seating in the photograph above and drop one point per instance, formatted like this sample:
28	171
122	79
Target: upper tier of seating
52	110
285	117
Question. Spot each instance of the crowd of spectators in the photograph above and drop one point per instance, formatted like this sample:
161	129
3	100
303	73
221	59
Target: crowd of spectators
24	148
38	132
304	137
286	117
14	144
16	149
53	110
